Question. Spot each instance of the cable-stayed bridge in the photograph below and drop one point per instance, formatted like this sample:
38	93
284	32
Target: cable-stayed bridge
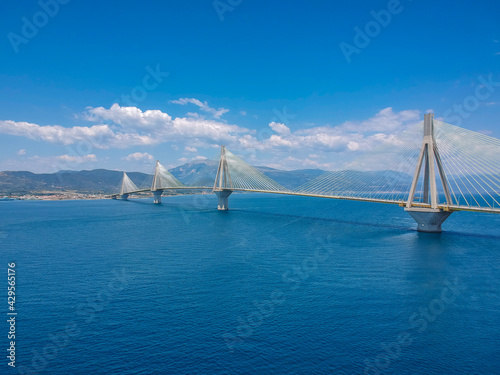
431	169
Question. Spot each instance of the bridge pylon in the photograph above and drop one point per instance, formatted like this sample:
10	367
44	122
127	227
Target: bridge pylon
428	215
154	187
127	187
223	184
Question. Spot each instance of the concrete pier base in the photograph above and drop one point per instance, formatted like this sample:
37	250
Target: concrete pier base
429	220
124	197
223	196
157	196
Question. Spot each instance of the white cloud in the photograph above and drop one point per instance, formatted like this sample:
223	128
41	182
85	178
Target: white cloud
216	113
21	152
384	121
56	133
303	148
124	127
50	164
129	117
77	159
137	156
295	163
279	128
199	158
129	127
195	115
349	136
190	160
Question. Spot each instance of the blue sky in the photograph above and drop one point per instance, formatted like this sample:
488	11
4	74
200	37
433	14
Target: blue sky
287	84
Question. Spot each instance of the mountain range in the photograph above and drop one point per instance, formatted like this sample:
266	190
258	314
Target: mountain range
108	181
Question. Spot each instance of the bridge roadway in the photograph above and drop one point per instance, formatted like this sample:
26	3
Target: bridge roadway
400	203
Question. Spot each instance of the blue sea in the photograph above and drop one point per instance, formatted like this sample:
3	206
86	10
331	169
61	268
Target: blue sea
276	285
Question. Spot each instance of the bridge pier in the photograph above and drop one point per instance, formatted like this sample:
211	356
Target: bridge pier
429	219
125	197
157	196
223	196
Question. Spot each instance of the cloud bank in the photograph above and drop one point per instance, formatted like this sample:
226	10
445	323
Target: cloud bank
127	127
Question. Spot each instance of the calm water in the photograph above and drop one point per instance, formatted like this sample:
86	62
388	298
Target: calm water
277	285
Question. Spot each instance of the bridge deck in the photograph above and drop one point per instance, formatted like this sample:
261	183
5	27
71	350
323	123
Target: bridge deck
361	199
